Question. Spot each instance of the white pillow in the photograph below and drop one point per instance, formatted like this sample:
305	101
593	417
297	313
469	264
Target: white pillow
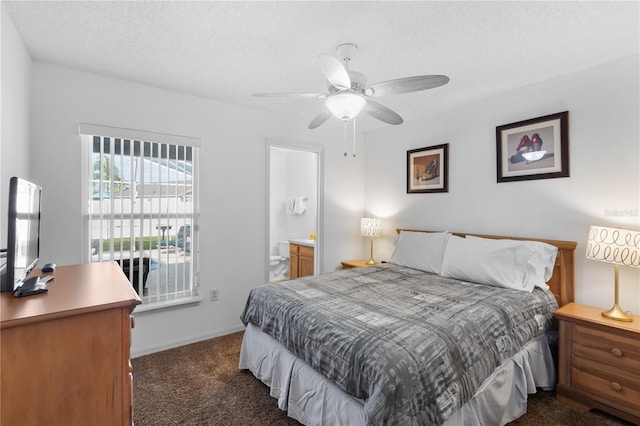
539	265
487	261
420	250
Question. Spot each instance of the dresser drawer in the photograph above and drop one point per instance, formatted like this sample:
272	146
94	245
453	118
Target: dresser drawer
607	347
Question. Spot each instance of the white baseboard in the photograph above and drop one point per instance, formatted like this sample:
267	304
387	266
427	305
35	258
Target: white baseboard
146	350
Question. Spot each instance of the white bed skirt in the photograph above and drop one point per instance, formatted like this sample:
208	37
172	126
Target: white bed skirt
310	398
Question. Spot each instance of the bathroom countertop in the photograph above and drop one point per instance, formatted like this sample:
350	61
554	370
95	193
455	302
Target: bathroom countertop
304	242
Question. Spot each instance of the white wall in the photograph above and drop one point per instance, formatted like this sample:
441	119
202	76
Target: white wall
301	182
293	174
232	159
278	197
604	187
15	86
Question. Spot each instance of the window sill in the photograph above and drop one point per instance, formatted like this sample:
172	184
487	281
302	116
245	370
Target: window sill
169	304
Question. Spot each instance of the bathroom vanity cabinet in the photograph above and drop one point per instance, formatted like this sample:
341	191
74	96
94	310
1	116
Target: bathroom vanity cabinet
300	259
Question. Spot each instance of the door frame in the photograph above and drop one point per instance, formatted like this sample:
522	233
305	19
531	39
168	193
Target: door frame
318	252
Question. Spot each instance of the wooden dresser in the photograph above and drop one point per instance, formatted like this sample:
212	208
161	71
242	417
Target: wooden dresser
65	353
599	362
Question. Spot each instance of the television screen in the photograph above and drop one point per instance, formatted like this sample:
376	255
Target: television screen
23	242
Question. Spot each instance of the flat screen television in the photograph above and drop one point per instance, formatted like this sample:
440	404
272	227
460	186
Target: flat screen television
23	232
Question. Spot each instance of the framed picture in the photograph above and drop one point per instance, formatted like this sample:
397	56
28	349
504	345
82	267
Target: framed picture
533	149
427	169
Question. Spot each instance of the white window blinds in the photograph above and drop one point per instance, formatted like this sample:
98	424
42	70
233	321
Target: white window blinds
141	203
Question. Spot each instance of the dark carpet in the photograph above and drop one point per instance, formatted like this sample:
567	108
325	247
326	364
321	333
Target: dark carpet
200	384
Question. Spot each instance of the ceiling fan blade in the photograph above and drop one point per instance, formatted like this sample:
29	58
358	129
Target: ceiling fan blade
291	95
382	113
335	72
319	119
406	85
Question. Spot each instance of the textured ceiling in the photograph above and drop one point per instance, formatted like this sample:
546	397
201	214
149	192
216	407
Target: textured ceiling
229	50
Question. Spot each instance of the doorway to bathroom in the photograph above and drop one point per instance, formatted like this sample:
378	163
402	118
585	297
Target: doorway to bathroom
294	206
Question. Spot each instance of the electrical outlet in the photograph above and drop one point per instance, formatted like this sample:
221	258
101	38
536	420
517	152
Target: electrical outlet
214	295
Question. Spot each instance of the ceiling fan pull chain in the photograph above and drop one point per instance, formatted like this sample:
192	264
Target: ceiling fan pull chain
354	138
345	138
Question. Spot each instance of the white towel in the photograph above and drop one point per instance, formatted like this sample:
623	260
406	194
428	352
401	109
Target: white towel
300	205
291	204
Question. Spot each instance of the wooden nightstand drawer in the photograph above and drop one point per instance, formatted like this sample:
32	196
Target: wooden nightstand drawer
617	389
607	347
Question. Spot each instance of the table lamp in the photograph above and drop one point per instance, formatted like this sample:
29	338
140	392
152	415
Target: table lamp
619	247
370	227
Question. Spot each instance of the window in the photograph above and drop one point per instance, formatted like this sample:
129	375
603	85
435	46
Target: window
141	209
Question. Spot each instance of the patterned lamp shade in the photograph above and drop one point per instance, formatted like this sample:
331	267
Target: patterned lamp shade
370	227
613	245
618	247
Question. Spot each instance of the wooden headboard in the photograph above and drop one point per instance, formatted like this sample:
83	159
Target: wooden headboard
562	280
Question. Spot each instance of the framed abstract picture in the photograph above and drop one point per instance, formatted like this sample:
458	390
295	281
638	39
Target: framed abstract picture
537	148
427	169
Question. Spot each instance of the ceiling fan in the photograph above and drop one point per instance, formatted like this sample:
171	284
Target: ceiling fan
349	94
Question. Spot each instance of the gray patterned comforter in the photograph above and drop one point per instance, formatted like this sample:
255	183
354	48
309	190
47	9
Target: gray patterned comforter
413	346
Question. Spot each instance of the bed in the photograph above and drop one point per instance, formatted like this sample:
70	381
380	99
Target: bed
455	329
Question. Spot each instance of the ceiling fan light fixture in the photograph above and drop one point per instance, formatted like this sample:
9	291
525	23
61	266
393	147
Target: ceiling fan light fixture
345	105
349	94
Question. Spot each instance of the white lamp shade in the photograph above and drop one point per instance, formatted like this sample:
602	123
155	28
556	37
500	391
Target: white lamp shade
370	227
345	105
613	245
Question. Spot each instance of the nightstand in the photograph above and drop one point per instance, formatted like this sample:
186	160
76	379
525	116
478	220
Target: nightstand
599	362
354	263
